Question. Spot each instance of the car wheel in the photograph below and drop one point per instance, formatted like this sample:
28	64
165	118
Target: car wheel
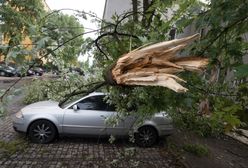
2	73
146	136
42	131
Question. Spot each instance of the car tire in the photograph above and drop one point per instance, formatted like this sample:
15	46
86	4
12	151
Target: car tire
2	73
42	131
146	136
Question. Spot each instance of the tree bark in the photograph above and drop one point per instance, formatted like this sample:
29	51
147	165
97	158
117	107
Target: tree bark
135	10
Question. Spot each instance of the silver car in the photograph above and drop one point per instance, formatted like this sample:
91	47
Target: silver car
44	121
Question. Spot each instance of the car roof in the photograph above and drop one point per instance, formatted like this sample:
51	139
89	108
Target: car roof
97	94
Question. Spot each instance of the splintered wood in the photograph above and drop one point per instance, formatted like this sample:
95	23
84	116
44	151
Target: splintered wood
155	65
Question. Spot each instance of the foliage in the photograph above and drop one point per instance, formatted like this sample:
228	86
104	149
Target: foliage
60	28
17	21
196	149
241	71
52	89
116	40
222	42
31	38
138	100
223	112
31	33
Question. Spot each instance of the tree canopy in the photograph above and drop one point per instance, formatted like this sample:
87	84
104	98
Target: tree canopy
60	28
29	30
17	22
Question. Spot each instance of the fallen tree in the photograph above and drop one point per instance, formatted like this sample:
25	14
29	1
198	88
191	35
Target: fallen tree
153	65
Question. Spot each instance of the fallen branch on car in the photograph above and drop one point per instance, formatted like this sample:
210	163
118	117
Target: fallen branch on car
154	65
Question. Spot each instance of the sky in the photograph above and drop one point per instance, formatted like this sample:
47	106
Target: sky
96	6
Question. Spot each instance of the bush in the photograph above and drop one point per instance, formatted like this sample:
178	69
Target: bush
223	117
202	125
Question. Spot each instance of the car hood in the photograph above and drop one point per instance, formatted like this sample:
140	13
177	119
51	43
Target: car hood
42	105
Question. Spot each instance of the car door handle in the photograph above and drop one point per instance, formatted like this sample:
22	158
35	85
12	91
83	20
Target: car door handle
102	116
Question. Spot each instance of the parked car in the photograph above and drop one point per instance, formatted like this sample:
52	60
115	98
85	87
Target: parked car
44	121
77	70
23	72
30	72
38	71
8	71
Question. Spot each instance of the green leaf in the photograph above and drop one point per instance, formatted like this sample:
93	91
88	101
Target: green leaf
41	43
241	71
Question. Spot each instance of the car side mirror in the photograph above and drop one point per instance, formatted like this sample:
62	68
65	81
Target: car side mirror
75	107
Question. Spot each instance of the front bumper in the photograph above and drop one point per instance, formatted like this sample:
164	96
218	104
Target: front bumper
19	124
166	129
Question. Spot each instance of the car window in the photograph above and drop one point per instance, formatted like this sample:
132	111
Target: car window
95	103
68	102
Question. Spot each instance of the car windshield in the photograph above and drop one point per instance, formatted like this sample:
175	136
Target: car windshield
11	68
69	101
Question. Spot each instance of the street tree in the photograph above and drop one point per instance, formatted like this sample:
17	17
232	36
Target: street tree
59	28
17	23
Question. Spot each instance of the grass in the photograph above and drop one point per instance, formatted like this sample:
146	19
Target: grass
9	148
196	149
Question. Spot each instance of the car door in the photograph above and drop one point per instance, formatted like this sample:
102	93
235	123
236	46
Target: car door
87	119
123	124
90	118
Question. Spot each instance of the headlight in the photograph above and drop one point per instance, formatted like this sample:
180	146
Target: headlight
19	114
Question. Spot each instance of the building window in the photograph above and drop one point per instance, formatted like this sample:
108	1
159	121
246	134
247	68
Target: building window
172	33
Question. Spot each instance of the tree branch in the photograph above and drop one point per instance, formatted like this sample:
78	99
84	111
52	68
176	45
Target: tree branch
94	87
226	29
44	56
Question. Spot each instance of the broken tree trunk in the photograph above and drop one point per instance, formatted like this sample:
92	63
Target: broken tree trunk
155	65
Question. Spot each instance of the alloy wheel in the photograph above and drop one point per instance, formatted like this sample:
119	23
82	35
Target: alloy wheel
147	136
42	131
